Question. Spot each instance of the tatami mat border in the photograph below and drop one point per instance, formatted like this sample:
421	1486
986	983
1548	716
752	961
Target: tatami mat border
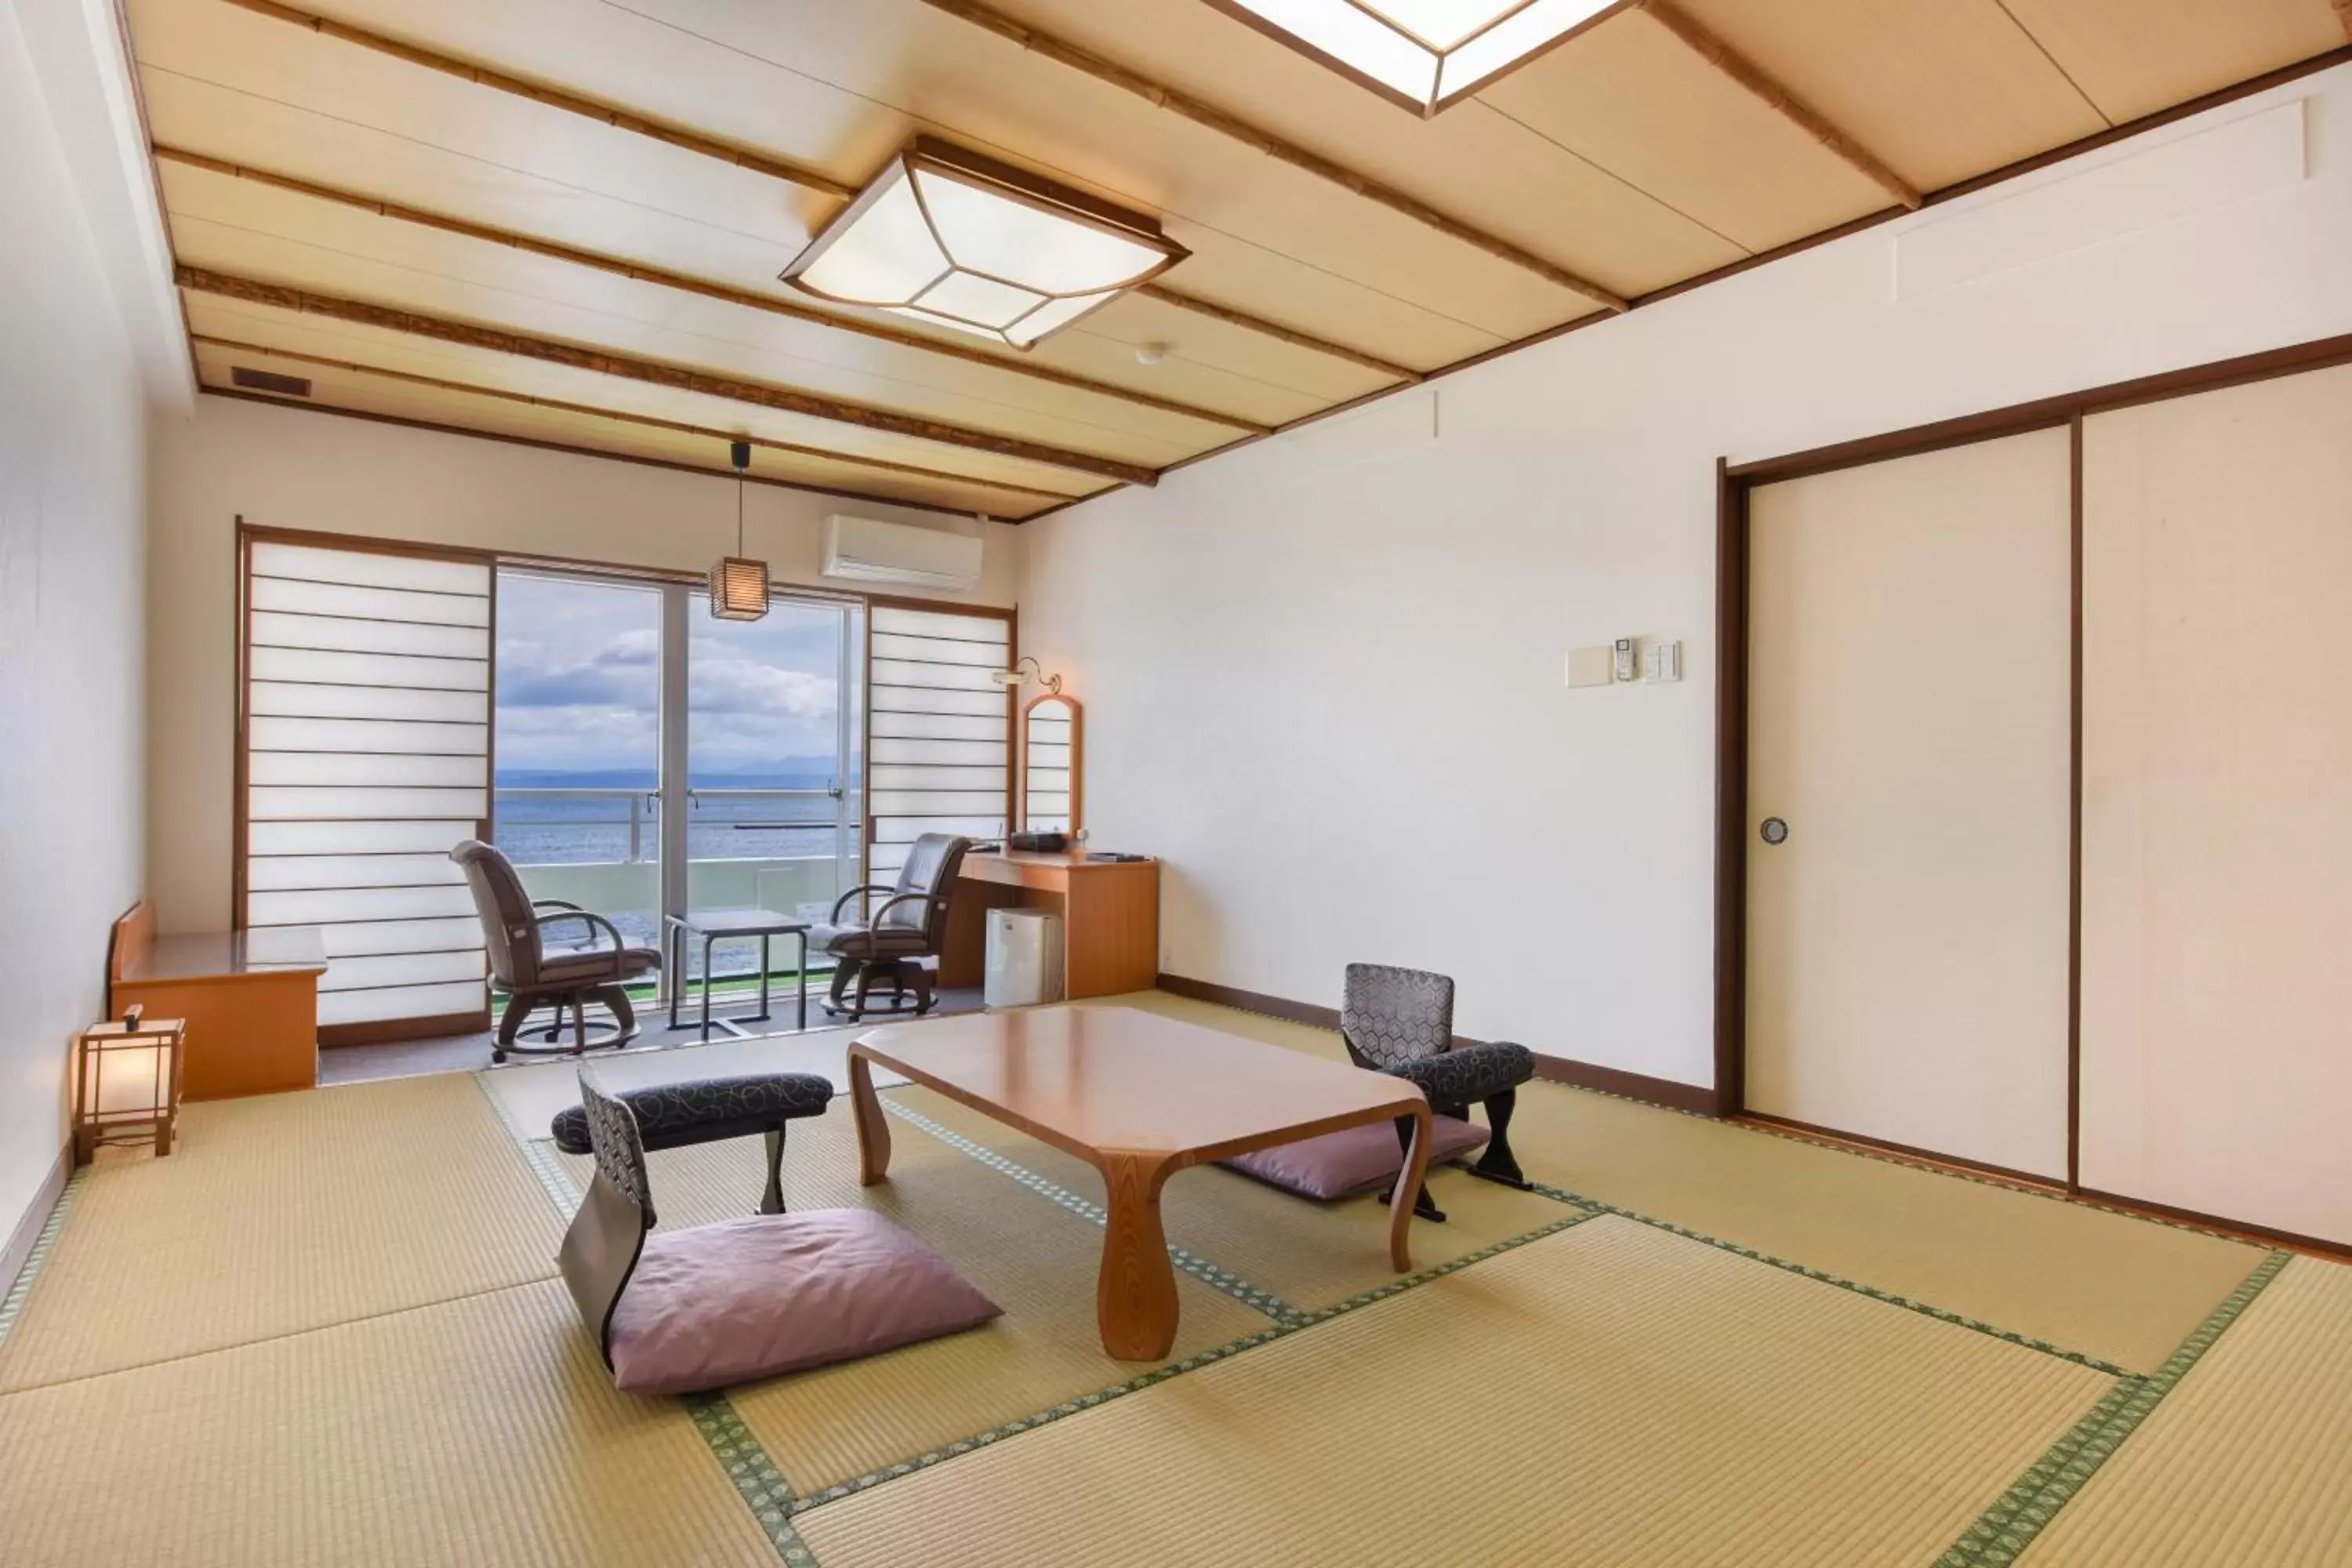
1306	1320
1995	1540
22	1287
539	1153
758	1482
1200	1268
2003	1532
1940	1314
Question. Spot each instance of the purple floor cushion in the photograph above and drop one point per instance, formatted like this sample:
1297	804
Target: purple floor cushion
1357	1160
745	1299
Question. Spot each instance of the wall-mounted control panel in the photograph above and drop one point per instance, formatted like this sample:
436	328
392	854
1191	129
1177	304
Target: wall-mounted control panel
1647	659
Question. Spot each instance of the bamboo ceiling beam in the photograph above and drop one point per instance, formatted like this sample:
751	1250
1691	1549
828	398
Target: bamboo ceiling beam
791	173
620	416
1703	42
1273	330
554	97
691	285
1161	96
654	373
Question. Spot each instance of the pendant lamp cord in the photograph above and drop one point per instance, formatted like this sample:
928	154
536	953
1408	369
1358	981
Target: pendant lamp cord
741	453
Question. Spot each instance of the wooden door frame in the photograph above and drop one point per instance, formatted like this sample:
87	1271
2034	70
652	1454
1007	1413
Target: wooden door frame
1734	484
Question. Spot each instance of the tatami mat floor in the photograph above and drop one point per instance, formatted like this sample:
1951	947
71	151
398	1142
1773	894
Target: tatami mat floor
326	1330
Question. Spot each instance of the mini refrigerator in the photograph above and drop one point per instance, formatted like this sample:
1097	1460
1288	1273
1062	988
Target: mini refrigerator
1025	958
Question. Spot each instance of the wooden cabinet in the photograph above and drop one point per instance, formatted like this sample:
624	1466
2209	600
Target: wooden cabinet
1110	911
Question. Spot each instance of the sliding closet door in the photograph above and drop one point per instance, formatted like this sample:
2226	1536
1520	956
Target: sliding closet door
1909	781
2217	829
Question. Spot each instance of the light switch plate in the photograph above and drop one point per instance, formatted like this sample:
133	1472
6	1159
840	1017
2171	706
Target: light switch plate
1662	661
1593	666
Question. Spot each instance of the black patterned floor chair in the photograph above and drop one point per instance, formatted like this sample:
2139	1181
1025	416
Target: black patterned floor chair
672	1115
1400	1022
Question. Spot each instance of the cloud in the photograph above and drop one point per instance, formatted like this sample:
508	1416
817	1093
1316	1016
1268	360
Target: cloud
579	683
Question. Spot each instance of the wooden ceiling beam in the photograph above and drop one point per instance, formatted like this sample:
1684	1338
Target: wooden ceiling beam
791	173
621	417
554	97
691	285
1161	96
1232	317
1703	42
656	373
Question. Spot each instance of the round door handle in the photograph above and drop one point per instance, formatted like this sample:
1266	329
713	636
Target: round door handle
1774	830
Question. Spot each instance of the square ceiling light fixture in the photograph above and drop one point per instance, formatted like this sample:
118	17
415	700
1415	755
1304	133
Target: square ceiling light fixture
1423	54
960	240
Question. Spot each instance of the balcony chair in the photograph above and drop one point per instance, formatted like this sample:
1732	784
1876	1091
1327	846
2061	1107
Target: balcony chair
896	943
1400	1022
537	971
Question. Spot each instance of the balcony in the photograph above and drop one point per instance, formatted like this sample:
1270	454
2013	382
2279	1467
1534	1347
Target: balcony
792	850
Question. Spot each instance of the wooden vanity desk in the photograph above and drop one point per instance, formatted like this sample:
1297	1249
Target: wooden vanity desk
1109	910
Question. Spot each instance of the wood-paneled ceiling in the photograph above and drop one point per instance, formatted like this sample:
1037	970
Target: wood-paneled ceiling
562	221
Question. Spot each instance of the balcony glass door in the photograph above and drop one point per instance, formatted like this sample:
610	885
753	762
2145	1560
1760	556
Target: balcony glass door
578	808
651	758
769	797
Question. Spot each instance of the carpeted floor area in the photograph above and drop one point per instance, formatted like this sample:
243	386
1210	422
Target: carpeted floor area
325	1331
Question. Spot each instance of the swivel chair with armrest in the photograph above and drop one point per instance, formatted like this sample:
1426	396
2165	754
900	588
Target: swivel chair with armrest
896	942
537	970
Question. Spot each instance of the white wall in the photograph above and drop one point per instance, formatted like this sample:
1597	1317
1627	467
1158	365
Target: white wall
294	468
72	423
1323	676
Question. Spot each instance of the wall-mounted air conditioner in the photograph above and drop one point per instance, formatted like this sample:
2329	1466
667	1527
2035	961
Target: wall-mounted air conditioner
866	549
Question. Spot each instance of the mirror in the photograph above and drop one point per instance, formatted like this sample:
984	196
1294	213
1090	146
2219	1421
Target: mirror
1051	795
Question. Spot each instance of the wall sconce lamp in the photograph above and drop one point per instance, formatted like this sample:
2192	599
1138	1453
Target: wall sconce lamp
1034	671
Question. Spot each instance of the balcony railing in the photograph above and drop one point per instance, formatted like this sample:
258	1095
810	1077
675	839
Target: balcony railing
790	849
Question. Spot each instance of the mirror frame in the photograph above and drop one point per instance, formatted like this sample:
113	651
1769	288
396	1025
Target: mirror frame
1077	757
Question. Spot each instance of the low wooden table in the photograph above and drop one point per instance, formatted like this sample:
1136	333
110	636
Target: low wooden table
1140	1097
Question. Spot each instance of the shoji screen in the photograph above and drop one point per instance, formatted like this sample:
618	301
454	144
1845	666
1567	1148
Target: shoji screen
2217	834
938	757
366	737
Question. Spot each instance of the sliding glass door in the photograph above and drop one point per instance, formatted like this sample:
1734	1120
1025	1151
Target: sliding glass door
769	793
579	800
652	758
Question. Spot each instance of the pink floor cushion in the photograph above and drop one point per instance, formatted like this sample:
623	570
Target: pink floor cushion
1357	1160
746	1298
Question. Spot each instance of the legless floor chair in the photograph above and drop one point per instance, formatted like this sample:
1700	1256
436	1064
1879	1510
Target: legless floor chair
1400	1022
711	1306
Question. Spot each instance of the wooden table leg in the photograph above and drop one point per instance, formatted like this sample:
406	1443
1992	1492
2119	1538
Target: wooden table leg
1408	1187
1135	1300
872	1126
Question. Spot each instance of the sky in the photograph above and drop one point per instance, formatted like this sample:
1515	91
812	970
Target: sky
578	679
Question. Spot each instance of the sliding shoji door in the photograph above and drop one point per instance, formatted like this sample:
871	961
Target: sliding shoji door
938	731
364	736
